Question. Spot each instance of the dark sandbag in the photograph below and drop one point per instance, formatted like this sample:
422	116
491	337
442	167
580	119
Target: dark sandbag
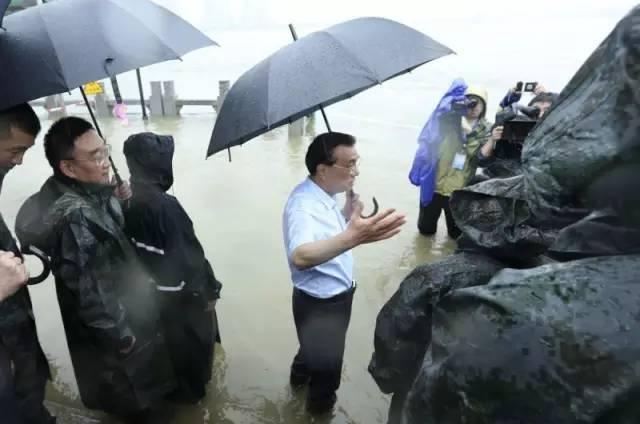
495	216
594	125
555	344
403	326
600	234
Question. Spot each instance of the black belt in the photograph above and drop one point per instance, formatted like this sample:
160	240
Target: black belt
334	298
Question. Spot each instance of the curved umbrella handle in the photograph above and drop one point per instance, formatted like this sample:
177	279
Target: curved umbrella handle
46	267
375	210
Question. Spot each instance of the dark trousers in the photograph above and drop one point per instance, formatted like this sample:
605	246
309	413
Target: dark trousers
24	386
321	325
429	215
9	410
190	332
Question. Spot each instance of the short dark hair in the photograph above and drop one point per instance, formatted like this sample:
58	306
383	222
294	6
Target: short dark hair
320	151
544	97
21	117
59	141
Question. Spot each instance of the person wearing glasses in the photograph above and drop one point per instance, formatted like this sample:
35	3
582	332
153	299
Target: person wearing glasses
318	238
106	296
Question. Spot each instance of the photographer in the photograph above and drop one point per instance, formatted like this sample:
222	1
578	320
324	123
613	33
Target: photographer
447	151
504	161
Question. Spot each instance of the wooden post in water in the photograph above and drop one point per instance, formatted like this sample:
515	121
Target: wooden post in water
155	101
169	99
101	103
296	129
310	125
55	106
223	89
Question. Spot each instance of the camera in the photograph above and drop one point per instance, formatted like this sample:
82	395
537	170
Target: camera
464	105
529	87
517	121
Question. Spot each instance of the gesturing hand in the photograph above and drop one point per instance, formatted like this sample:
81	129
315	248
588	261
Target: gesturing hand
383	225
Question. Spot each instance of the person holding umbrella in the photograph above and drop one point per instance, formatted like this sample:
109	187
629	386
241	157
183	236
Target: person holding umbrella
106	296
318	239
24	370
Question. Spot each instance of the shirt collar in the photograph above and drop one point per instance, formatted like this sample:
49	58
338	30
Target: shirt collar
323	196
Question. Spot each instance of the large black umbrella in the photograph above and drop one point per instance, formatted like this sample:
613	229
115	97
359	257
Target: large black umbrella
58	46
317	70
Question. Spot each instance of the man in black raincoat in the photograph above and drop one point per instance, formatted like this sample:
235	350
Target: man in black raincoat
187	288
23	367
109	314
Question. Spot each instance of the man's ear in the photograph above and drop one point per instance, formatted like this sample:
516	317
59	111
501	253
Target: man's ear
321	171
67	168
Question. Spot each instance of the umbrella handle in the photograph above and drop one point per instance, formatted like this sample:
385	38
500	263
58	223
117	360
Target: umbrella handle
46	268
375	207
375	210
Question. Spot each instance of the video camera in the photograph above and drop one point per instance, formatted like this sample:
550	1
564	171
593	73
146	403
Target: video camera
462	106
517	121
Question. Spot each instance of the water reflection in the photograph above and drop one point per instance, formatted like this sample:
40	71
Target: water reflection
236	208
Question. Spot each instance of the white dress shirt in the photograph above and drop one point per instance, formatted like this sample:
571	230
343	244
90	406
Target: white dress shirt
311	214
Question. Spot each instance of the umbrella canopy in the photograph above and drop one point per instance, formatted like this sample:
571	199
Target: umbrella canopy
317	70
4	5
58	46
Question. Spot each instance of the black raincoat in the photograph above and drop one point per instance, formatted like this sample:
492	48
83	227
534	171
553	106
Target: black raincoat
104	295
167	244
24	370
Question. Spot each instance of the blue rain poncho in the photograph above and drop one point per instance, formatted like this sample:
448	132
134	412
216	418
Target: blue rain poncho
425	164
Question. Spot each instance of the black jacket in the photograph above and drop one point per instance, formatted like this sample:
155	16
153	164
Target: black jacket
104	295
23	367
167	244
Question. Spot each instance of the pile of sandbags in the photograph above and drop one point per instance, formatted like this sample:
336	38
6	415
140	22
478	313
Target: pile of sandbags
472	339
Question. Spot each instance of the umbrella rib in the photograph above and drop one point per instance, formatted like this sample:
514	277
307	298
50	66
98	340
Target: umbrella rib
61	74
268	91
162	42
177	56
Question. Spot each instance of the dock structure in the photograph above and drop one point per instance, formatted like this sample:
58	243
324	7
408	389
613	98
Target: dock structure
163	101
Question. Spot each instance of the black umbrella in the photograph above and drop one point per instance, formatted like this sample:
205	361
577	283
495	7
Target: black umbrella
316	71
4	5
58	46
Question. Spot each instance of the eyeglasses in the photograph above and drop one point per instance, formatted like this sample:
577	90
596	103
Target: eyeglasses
352	168
99	158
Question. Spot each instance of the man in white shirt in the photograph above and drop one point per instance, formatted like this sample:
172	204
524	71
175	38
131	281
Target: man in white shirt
318	238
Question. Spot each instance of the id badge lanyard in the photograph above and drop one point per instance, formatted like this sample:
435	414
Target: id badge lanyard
460	157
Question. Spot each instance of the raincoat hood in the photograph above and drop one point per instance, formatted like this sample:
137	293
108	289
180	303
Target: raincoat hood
481	92
150	160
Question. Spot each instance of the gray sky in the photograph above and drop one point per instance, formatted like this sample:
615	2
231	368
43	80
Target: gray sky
232	14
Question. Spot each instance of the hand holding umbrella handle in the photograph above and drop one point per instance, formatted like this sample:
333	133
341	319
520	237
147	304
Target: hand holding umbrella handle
375	209
46	268
375	206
